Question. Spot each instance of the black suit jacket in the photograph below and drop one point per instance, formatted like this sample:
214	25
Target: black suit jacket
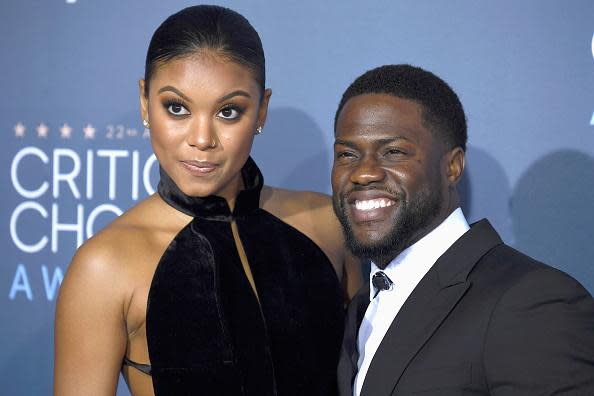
485	320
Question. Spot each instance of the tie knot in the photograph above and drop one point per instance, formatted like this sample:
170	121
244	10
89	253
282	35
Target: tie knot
381	281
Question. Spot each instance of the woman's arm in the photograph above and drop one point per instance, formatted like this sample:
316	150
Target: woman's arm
312	214
348	267
90	332
352	276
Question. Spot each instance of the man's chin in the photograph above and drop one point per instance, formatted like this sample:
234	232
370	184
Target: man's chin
369	239
371	233
370	245
366	238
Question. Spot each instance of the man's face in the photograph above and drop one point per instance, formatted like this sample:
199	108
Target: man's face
388	180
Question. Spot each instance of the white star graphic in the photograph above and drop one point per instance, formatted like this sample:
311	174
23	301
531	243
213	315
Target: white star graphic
65	131
42	130
19	130
89	132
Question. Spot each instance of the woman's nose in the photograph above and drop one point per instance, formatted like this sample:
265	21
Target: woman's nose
202	135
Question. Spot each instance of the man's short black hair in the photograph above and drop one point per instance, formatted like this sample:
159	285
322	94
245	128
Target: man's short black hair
442	110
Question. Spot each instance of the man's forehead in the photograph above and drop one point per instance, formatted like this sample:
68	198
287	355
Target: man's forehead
379	131
366	126
375	140
381	111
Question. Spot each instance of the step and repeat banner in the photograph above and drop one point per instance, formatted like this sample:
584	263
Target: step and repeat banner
74	154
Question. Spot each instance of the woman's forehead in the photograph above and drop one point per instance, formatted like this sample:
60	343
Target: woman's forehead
204	71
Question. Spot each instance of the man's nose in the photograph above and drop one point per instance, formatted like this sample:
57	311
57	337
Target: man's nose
368	171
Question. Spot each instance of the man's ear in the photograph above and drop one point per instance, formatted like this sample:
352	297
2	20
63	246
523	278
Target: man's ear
143	101
455	161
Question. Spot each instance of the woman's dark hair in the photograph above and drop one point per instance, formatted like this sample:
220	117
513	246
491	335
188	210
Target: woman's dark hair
206	27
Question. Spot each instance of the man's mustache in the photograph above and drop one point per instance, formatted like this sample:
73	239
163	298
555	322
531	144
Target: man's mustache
398	195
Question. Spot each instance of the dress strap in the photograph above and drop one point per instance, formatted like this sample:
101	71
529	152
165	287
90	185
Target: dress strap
145	368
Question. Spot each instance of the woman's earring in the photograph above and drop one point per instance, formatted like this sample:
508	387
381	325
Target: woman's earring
259	130
146	124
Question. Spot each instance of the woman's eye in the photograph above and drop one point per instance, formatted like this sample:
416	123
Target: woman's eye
229	113
177	109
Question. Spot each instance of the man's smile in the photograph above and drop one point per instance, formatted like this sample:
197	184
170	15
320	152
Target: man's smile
373	204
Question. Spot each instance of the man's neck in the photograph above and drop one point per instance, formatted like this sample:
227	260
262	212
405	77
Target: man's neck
383	261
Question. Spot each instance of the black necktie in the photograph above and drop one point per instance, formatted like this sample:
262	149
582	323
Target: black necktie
381	282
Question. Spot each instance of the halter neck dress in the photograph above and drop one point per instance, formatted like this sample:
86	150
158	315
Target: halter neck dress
208	333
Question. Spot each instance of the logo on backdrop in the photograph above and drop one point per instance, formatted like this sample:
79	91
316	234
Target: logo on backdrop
63	192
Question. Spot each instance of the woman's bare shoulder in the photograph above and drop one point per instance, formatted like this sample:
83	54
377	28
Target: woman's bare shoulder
286	203
309	212
128	244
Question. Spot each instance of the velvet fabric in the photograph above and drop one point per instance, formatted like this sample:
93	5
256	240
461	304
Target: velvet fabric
208	334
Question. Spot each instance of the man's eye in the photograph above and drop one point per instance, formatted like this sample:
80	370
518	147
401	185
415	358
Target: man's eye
394	151
229	113
344	154
177	109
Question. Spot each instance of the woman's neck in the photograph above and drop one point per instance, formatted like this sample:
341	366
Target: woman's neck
245	196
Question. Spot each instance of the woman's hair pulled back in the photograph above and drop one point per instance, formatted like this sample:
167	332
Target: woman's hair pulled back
206	27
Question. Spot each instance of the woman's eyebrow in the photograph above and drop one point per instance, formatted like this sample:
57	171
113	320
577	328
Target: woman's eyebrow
174	90
238	92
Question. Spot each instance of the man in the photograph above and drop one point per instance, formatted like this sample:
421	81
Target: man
451	309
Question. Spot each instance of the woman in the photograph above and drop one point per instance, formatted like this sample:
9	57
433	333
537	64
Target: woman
217	285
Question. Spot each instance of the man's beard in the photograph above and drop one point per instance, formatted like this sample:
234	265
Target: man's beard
413	215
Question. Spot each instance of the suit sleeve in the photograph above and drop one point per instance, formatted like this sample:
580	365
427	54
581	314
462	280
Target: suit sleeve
540	339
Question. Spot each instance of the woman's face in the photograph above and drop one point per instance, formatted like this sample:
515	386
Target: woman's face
203	112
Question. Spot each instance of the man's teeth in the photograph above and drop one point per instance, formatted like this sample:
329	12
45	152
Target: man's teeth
373	204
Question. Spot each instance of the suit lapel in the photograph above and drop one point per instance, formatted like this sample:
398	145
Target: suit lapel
416	321
426	308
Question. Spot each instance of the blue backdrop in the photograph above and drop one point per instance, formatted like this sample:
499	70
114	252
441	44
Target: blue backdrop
75	154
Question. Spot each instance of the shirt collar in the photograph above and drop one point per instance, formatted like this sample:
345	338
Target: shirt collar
413	263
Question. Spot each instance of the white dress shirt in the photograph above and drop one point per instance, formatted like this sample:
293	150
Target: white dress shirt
406	271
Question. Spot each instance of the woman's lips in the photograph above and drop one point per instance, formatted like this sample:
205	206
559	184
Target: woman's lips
199	168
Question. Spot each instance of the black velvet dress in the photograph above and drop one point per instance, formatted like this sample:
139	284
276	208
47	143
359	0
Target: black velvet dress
208	334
